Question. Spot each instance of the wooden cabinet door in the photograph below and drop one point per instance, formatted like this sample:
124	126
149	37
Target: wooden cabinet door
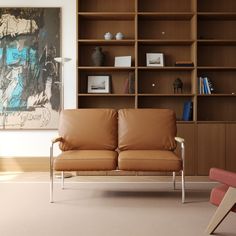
186	131
231	147
211	146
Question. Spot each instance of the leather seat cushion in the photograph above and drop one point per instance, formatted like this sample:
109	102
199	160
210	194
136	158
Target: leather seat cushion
79	160
149	160
88	129
217	194
146	129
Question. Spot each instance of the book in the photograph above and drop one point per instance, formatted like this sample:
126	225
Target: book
184	63
187	111
131	83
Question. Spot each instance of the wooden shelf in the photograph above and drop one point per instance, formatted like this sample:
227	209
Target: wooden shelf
215	68
216	95
165	95
165	42
216	42
216	16
165	15
106	68
105	94
174	68
107	15
106	42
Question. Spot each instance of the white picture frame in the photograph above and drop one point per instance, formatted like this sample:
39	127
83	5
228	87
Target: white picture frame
155	59
124	61
99	84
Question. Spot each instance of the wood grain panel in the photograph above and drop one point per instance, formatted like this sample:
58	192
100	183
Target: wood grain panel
231	147
211	147
187	131
23	164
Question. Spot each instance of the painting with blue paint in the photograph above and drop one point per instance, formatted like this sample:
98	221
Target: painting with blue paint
29	75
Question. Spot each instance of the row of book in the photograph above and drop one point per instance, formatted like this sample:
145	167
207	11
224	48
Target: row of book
205	86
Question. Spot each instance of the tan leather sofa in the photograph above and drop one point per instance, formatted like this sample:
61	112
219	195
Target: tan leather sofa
128	139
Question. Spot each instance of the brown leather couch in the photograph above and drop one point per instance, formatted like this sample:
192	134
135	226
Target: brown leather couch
128	139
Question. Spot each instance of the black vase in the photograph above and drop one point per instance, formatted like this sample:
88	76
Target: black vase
98	57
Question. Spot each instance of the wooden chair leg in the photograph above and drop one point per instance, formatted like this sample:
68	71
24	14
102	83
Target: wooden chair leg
223	210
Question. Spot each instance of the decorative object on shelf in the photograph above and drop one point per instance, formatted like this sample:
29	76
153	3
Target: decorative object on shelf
98	57
155	59
108	36
178	85
119	36
62	61
129	85
99	84
187	111
184	63
131	82
30	39
124	61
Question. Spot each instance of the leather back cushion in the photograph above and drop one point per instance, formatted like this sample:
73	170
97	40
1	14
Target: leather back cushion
146	129
88	129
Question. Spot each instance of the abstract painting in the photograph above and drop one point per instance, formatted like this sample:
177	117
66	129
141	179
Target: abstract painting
29	75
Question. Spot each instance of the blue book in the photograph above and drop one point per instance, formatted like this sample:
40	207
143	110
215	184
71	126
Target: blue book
187	111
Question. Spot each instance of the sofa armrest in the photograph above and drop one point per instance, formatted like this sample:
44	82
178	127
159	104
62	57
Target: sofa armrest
179	140
223	176
58	139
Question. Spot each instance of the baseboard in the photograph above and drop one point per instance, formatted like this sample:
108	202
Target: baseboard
24	164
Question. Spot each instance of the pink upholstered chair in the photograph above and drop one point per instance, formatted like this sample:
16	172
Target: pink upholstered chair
223	196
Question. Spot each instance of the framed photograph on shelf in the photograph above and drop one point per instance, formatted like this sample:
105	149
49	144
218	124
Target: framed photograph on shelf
99	84
155	59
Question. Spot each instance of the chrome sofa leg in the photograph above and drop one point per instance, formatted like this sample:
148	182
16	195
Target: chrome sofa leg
62	179
174	185
183	186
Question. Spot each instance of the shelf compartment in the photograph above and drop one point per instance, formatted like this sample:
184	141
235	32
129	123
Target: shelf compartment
172	53
175	103
164	29
128	42
95	29
161	82
115	102
118	82
216	6
216	30
106	5
224	81
110	52
165	6
212	108
213	56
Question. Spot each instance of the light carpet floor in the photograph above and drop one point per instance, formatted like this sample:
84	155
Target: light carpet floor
107	209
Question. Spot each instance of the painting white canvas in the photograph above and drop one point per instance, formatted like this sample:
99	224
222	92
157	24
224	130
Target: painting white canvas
124	61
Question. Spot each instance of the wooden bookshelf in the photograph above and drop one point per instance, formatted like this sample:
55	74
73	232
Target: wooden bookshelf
200	31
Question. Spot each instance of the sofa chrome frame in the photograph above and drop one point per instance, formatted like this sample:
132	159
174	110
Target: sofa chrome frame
181	141
177	139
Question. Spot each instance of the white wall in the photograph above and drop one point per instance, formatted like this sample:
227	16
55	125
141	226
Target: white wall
36	143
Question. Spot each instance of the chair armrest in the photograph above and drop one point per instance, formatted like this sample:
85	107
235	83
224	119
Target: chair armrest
223	176
58	139
179	140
